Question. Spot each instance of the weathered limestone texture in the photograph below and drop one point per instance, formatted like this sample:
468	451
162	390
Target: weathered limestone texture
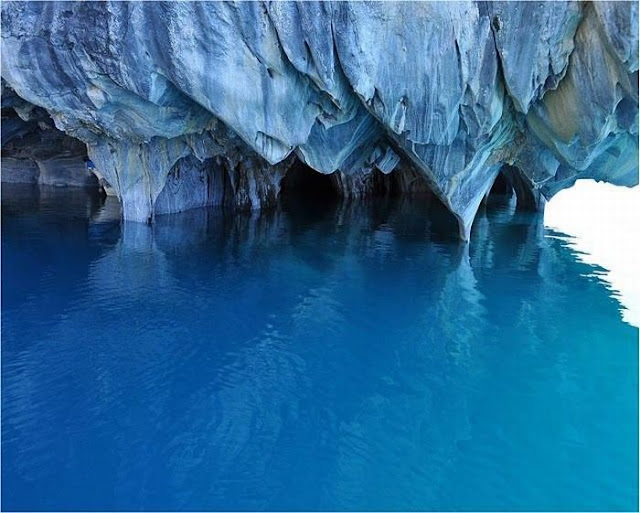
200	103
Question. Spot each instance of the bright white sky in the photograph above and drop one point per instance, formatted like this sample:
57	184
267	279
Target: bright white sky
605	221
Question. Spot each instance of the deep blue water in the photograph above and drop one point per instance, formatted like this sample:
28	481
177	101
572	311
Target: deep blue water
347	357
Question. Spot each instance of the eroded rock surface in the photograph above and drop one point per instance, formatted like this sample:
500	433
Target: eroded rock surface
34	151
199	103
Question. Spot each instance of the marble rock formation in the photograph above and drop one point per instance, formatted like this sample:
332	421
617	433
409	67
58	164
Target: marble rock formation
199	103
34	151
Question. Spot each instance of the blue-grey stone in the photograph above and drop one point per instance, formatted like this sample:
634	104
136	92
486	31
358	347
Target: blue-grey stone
167	95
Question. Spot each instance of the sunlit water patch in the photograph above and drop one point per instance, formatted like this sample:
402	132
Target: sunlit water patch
343	358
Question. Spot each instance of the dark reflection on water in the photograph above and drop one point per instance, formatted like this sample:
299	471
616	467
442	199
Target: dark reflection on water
345	358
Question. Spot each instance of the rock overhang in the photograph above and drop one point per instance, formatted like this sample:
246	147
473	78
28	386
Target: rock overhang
159	91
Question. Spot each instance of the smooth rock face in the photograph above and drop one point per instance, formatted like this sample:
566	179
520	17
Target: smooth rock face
190	104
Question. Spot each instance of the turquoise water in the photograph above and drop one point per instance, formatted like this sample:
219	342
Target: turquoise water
347	357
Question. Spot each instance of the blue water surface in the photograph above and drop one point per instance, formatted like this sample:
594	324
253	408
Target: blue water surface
315	357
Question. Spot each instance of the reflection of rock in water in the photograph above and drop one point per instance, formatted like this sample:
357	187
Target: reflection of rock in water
56	222
231	350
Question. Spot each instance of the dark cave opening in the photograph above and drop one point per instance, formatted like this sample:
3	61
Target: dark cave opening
403	193
304	184
511	182
35	151
502	185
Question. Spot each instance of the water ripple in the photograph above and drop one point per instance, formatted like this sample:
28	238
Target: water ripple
288	361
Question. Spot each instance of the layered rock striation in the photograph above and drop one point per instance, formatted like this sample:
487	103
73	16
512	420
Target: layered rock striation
199	103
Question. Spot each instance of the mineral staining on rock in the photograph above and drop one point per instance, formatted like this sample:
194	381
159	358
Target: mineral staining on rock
189	104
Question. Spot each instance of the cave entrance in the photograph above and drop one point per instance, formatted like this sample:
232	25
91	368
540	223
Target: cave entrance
502	186
35	151
301	183
509	182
